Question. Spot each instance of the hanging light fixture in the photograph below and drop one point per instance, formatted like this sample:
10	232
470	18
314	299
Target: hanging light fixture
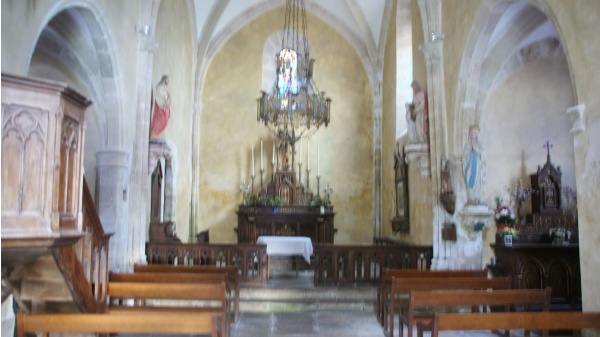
294	108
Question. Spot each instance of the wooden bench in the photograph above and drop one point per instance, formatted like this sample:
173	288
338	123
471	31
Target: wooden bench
555	320
232	274
212	294
111	323
428	300
179	278
383	289
401	288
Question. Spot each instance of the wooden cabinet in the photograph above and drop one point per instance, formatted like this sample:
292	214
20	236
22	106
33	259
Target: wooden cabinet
286	221
534	266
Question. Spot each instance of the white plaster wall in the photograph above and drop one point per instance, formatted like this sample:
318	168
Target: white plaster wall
527	110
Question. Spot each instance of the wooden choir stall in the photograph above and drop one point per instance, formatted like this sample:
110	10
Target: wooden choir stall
546	253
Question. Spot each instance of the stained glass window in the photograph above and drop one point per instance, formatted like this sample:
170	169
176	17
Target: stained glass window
287	79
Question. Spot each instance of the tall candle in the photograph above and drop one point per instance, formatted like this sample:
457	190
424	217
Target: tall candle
318	160
261	156
308	154
253	160
300	155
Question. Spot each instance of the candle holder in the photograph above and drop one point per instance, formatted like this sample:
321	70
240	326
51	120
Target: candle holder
318	185
261	178
307	179
300	172
273	172
244	189
252	185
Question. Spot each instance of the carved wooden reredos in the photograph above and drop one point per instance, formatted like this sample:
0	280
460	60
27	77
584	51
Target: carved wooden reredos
286	186
547	181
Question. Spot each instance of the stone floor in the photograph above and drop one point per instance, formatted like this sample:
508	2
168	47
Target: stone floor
305	324
321	323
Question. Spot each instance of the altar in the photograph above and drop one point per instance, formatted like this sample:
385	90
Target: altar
286	246
285	221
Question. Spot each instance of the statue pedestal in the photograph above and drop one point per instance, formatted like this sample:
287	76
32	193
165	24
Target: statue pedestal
468	252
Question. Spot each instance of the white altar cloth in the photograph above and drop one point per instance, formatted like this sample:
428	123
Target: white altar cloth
287	246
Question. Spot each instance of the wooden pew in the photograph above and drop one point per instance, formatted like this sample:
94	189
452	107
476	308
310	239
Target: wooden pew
110	323
179	278
554	320
383	289
232	273
455	299
401	287
140	292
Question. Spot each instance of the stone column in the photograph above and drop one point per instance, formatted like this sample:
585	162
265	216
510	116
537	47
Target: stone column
432	49
377	138
112	202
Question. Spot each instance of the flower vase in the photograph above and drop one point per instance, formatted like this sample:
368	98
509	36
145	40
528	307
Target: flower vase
508	240
500	226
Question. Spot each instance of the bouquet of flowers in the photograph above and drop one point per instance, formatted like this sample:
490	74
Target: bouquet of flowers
503	213
508	231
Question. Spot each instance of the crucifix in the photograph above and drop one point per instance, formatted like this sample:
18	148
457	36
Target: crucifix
548	146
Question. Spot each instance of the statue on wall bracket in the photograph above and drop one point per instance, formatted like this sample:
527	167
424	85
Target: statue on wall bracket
474	167
447	196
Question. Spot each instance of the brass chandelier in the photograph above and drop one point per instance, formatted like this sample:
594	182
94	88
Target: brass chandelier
294	108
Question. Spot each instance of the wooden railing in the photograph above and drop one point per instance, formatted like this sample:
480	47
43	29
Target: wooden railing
334	264
352	264
249	258
85	264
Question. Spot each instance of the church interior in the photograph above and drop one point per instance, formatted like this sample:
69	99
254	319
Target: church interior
443	135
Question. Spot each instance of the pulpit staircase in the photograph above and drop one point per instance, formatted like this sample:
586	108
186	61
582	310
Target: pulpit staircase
71	278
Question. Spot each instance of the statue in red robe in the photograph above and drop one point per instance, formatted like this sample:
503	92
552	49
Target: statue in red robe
162	108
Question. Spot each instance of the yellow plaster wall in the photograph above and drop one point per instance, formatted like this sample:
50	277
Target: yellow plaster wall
173	57
228	128
388	198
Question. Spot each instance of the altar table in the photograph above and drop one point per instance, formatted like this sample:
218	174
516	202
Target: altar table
286	246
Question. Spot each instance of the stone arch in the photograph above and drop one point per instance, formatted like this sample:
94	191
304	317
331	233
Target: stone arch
76	38
482	70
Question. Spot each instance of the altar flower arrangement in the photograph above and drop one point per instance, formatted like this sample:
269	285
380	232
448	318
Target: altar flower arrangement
503	213
508	231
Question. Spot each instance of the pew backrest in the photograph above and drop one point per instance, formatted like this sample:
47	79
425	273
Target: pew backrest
383	288
401	288
167	291
431	300
555	320
232	274
110	323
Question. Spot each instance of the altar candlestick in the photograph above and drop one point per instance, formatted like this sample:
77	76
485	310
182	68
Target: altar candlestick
261	155
318	160
308	154
273	161
253	160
